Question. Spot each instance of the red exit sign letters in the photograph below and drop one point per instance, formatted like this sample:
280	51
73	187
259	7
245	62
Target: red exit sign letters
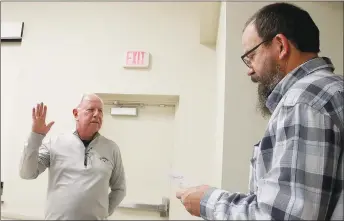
136	59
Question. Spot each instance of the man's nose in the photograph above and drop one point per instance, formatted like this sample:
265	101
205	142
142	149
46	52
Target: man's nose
250	71
96	113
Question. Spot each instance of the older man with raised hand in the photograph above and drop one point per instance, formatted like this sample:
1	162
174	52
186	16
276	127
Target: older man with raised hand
297	167
83	165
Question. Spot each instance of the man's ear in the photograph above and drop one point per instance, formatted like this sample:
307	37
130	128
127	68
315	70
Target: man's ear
283	45
75	114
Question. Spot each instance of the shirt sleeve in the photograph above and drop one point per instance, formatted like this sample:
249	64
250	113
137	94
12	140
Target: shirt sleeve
117	183
301	159
36	156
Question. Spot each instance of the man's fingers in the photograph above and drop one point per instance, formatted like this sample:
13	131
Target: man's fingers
184	193
179	194
41	109
33	113
37	110
44	114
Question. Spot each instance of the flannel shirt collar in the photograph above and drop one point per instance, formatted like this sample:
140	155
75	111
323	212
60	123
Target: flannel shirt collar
301	71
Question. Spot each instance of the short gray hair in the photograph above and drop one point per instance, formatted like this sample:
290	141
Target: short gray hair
89	95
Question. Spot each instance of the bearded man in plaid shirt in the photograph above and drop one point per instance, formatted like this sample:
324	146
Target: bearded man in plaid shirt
297	167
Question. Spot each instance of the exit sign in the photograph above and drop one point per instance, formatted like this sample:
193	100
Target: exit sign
136	59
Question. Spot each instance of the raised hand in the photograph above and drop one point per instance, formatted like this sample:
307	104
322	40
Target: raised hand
38	120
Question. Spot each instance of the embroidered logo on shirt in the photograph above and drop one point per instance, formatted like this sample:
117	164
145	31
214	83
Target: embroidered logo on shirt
104	159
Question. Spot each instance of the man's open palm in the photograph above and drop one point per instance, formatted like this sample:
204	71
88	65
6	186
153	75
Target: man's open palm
38	120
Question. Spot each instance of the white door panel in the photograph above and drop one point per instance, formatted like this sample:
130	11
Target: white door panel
146	143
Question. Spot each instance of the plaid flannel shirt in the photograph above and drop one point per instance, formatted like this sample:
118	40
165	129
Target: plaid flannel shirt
297	168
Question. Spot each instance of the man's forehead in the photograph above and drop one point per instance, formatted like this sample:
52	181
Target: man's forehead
250	37
91	103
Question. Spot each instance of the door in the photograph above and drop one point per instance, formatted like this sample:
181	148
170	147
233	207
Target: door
146	143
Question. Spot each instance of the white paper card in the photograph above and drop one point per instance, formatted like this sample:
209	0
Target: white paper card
179	180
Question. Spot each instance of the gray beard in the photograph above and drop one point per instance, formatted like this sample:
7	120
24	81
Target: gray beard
265	87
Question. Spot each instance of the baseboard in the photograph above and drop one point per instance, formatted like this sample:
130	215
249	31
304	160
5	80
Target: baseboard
17	216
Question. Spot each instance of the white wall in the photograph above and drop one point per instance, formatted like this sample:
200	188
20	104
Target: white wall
243	125
71	48
220	91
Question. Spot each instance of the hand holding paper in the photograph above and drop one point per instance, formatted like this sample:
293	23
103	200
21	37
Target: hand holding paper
191	198
189	195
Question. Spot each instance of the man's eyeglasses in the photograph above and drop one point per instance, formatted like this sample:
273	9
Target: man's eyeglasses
244	57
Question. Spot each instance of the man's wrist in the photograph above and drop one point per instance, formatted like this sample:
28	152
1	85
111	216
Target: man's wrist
209	201
35	139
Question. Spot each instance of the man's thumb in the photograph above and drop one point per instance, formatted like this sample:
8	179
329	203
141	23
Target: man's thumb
50	124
